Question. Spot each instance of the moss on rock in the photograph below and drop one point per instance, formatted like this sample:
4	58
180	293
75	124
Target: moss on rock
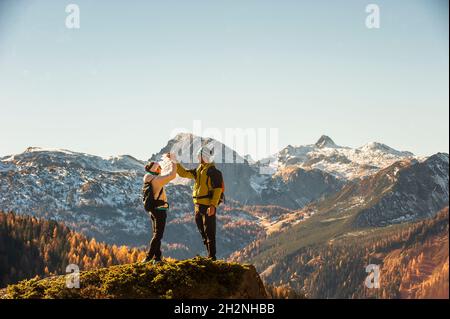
191	278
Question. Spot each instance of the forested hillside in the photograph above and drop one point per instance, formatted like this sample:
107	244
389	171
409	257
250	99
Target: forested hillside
30	247
413	260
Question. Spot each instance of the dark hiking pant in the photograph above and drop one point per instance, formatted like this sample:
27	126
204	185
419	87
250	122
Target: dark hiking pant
158	225
207	228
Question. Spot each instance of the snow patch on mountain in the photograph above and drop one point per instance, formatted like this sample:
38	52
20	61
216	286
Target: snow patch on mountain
259	182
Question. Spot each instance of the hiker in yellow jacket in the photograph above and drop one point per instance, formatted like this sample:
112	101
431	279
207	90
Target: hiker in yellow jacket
207	194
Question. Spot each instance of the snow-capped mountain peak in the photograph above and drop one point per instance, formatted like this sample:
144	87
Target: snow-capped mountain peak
383	148
341	161
325	141
185	146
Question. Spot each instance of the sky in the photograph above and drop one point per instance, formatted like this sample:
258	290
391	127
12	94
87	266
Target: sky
135	71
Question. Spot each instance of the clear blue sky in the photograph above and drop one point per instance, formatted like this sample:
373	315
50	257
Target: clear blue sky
136	70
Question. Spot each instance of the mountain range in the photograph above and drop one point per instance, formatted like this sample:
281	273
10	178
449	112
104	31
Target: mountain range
101	196
302	196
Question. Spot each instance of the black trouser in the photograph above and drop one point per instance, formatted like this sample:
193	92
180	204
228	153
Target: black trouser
207	228
158	225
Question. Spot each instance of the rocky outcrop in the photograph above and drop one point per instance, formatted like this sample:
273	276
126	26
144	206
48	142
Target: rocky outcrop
186	279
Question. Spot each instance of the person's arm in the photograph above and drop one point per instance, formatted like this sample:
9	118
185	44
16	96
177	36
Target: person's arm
216	183
166	178
186	173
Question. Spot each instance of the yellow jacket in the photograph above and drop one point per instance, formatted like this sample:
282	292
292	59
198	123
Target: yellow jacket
207	191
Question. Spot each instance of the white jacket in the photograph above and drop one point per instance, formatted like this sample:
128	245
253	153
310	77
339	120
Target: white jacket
159	181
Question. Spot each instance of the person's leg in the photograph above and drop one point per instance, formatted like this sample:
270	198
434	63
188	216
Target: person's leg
150	253
159	218
161	225
210	230
199	220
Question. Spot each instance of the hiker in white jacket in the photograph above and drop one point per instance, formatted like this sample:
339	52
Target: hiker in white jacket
159	213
